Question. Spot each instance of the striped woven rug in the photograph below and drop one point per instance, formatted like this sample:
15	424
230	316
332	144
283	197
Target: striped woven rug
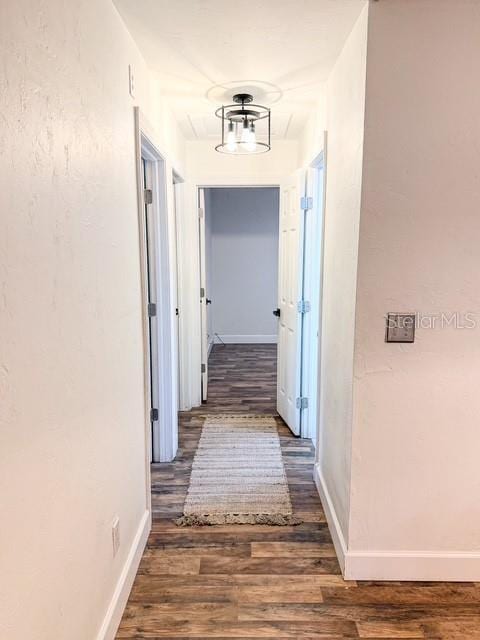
238	475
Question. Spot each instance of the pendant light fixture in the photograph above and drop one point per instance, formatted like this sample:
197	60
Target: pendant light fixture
239	135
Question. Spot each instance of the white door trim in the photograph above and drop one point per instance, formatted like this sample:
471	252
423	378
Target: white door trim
165	431
312	290
203	292
322	158
190	324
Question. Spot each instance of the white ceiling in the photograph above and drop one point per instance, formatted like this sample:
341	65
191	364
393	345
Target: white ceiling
203	51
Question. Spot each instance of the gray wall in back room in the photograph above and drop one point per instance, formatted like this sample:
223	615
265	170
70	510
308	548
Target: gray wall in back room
242	262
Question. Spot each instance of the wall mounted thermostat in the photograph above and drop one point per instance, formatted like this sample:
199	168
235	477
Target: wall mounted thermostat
400	327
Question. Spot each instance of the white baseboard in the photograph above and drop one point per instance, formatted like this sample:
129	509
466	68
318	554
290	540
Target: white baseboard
442	566
115	610
332	520
250	339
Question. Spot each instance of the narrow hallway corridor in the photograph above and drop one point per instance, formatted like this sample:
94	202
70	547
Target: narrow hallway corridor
254	581
213	582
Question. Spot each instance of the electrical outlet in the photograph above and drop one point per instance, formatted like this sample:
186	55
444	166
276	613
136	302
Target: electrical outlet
131	81
116	535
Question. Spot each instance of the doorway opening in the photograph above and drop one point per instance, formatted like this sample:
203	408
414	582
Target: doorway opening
238	241
260	251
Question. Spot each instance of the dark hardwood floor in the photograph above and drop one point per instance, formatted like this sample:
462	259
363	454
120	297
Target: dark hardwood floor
243	581
242	379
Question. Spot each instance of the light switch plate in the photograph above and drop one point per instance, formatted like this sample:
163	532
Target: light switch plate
400	327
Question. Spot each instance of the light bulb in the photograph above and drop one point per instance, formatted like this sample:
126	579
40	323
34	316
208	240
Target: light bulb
245	132
231	139
252	139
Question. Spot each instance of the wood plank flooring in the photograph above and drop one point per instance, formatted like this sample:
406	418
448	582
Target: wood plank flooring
242	581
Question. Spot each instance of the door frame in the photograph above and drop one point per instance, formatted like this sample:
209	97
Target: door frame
178	186
161	438
202	247
196	375
323	156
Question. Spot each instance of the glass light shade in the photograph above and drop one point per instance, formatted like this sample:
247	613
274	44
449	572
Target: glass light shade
245	132
239	120
231	138
251	139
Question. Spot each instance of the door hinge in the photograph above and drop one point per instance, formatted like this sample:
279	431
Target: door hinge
153	415
303	306
204	368
200	212
202	292
306	203
147	196
177	312
302	403
152	309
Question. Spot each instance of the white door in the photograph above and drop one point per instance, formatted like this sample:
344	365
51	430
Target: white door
312	276
203	290
289	295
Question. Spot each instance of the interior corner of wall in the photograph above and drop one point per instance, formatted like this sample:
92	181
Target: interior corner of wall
333	521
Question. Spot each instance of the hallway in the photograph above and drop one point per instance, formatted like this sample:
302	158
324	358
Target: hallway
269	582
206	582
299	183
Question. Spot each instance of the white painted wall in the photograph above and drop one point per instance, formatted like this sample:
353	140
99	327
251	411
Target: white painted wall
72	414
312	139
208	167
243	263
415	470
345	104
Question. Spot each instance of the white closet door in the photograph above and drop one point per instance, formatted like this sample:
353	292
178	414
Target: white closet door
289	294
312	274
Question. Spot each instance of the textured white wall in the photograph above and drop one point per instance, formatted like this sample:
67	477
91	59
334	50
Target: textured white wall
244	261
71	368
312	139
345	104
415	478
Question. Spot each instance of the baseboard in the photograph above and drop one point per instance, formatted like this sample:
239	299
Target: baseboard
112	619
428	566
436	566
249	339
332	520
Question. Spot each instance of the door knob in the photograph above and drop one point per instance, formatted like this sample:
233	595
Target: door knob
276	312
208	301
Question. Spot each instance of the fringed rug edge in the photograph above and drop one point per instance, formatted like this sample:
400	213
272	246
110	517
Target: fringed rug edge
206	520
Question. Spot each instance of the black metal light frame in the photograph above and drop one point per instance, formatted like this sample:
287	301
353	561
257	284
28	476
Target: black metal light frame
235	115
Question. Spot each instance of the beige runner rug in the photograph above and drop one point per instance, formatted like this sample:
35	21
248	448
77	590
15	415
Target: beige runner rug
238	475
